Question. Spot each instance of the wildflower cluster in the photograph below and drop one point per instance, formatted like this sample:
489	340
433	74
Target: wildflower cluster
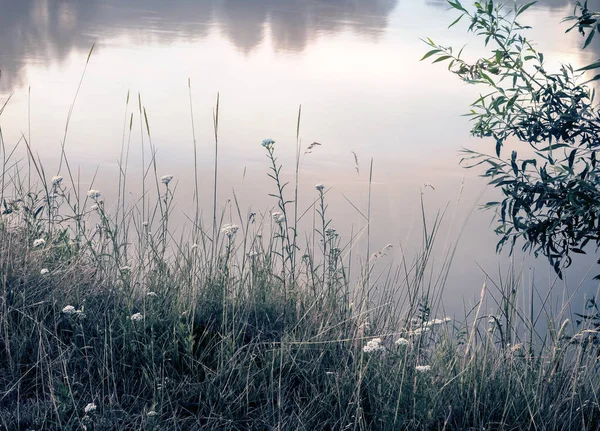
373	345
94	194
229	229
278	217
56	180
136	317
268	143
72	311
402	342
425	327
39	242
166	179
91	407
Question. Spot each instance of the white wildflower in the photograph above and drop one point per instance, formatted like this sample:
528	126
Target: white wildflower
91	407
125	268
436	322
94	207
229	229
402	342
151	413
194	246
93	194
39	242
268	143
373	345
145	224
153	294
44	271
319	187
166	179
278	217
423	368
56	180
136	317
69	309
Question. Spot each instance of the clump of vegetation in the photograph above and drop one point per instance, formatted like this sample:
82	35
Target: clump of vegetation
549	183
108	323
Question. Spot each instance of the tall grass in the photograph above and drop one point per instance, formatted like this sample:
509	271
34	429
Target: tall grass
109	322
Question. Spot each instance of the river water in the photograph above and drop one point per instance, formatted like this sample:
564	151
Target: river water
353	66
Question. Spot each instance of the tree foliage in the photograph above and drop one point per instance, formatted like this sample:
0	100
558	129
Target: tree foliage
550	188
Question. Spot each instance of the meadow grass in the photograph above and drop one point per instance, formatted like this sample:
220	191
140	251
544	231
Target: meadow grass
109	322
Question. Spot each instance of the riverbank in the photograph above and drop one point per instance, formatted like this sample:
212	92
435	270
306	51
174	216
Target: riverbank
109	321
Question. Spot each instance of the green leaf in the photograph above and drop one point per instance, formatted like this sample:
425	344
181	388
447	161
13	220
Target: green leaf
553	147
487	78
589	38
456	5
430	53
572	158
442	58
595	78
456	21
513	162
595	65
524	8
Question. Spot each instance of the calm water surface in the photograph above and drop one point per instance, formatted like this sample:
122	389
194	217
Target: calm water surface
352	65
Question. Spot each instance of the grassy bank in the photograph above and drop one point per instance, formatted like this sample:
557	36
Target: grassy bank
109	322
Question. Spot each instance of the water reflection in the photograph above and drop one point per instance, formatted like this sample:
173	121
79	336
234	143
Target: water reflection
47	31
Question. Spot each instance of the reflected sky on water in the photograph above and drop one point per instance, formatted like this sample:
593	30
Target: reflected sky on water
352	65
